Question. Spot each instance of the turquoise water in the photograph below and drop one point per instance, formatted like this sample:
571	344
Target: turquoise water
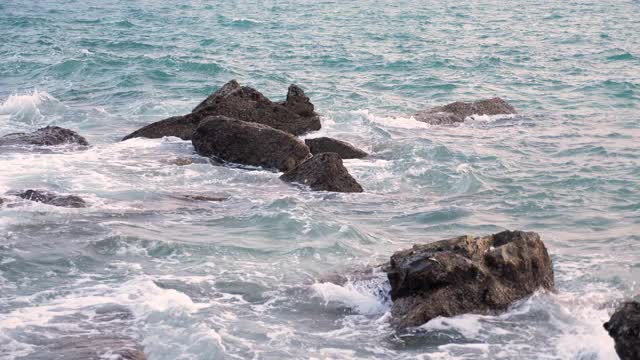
243	278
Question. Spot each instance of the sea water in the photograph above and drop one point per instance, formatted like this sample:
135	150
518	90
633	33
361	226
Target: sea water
243	278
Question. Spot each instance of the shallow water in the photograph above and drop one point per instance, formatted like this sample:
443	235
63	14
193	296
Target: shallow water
242	278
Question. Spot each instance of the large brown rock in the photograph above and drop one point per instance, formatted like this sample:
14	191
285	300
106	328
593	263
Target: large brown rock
458	111
624	328
248	144
325	144
323	172
466	274
295	115
46	136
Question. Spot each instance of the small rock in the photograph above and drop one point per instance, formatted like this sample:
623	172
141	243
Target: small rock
342	148
323	172
49	198
201	198
466	274
248	143
458	111
624	328
46	136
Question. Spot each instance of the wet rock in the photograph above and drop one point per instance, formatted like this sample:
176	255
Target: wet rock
457	112
466	274
624	328
90	347
323	172
1	201
342	148
248	144
50	198
195	197
46	136
295	115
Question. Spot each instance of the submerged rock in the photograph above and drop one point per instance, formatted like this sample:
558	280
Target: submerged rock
456	112
50	198
195	197
295	115
466	274
342	148
102	336
46	136
624	328
248	144
323	172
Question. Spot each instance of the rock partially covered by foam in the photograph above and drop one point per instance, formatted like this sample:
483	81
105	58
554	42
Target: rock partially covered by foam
342	148
295	115
248	143
466	274
624	328
46	136
323	172
458	111
51	198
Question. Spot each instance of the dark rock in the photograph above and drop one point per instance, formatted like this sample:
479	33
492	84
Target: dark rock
295	115
624	328
325	145
466	274
323	172
47	136
193	197
90	347
45	197
179	126
457	112
248	144
1	201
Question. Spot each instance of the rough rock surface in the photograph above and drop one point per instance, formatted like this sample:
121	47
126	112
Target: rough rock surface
466	274
456	112
50	198
344	149
248	143
46	136
624	328
295	115
323	172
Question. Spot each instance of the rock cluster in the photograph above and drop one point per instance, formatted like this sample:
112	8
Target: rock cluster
238	124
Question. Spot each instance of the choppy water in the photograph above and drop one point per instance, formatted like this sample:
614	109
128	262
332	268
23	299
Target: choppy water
240	278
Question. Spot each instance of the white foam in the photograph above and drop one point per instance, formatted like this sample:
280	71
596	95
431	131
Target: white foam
29	108
398	122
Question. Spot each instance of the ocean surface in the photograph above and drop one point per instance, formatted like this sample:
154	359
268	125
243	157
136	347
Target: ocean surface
243	278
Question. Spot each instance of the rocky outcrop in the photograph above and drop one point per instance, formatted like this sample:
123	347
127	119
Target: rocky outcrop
46	136
50	198
323	172
624	328
344	149
466	274
458	111
295	115
248	143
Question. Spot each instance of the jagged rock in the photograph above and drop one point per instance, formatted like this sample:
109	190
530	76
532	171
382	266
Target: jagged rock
248	143
624	328
50	198
46	136
342	148
457	112
295	115
466	274
323	172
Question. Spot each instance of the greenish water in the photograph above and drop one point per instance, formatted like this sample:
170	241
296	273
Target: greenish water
242	278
